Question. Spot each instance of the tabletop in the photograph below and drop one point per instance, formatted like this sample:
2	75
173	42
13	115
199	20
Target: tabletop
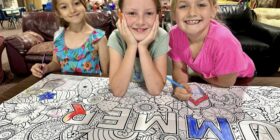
79	107
11	11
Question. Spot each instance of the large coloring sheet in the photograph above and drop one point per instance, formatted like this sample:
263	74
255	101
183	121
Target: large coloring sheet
77	107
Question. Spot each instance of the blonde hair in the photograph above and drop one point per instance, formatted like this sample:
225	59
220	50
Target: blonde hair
174	3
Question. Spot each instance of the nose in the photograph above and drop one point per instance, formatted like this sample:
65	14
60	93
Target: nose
192	11
141	20
72	9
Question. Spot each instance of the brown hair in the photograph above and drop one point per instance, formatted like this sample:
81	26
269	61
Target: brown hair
157	3
61	21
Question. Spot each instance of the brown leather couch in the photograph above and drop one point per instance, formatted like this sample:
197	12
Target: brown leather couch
38	28
1	49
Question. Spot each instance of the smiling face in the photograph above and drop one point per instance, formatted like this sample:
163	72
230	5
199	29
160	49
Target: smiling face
194	16
140	16
72	11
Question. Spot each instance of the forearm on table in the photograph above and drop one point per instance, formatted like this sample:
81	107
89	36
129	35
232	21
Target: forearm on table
154	80
180	75
223	81
119	80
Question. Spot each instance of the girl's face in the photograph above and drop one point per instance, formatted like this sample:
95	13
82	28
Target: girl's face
140	16
72	11
194	16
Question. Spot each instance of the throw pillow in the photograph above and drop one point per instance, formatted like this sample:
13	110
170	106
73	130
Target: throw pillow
31	38
42	48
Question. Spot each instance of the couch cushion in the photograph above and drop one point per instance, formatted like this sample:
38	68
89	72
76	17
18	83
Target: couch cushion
24	41
1	40
32	38
236	15
253	47
270	16
267	3
42	48
43	23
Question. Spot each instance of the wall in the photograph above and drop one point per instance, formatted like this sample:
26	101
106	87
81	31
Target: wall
1	3
44	1
10	3
37	4
20	3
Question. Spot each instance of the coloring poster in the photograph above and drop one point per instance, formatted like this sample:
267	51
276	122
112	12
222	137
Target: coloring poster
76	107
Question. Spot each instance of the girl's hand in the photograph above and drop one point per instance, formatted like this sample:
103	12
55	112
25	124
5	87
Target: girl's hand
126	33
183	94
39	70
152	35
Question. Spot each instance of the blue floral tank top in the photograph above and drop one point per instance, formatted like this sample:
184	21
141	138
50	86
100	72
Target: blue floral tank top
82	60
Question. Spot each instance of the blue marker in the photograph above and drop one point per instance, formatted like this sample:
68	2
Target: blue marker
174	83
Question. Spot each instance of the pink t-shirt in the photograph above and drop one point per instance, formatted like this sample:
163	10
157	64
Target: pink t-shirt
221	53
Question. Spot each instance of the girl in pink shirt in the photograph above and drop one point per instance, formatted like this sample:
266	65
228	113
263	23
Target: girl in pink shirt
205	46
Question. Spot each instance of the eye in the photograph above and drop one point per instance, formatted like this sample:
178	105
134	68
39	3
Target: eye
182	6
131	13
150	13
202	5
77	3
63	7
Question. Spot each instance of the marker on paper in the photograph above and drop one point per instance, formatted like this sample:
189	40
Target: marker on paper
174	83
46	96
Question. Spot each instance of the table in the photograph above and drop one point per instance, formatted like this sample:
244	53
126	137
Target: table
70	107
12	13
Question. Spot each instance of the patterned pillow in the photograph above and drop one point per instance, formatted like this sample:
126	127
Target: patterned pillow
31	38
266	3
42	48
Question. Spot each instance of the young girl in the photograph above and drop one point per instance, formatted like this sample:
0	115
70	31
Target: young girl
138	49
204	45
78	46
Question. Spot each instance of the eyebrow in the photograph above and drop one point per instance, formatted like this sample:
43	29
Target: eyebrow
144	9
184	1
59	4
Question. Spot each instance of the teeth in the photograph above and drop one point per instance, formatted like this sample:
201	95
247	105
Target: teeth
192	21
140	30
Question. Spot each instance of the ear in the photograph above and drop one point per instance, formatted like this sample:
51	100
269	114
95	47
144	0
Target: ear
214	11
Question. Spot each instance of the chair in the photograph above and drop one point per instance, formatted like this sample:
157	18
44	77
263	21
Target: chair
259	41
18	16
4	17
1	49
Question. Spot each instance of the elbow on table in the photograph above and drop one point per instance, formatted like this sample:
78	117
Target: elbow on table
155	92
118	92
226	84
